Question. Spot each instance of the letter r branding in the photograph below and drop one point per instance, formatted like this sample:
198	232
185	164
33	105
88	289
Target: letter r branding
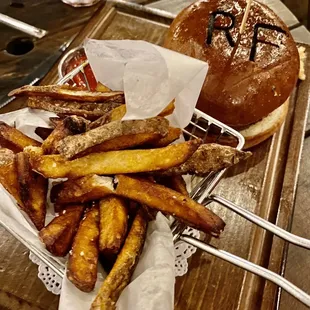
213	27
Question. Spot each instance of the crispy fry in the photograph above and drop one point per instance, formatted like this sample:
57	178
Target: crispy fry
208	158
121	273
8	174
122	142
118	113
173	134
175	182
56	120
71	125
73	145
83	258
15	137
43	132
59	233
168	110
88	188
170	202
33	151
33	191
113	225
114	162
102	88
91	111
65	92
111	116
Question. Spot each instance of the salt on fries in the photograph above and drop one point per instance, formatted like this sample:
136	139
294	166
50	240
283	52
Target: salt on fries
110	165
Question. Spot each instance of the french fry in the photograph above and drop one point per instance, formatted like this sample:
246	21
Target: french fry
170	202
88	110
102	88
208	158
173	134
8	174
56	120
65	92
43	132
175	182
123	142
58	235
71	125
114	162
74	145
33	191
15	138
120	275
83	257
88	188
59	208
113	225
7	145
118	113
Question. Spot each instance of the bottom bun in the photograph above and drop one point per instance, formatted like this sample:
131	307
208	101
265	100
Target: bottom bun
265	128
255	133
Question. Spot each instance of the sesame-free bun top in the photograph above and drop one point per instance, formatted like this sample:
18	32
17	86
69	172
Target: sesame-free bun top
246	80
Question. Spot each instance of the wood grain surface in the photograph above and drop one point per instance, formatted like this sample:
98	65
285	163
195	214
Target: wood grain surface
64	25
298	259
257	185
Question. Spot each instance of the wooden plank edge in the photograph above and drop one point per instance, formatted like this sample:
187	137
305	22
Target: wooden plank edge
259	252
272	294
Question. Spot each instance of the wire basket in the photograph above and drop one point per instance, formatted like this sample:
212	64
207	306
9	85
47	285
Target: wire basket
200	126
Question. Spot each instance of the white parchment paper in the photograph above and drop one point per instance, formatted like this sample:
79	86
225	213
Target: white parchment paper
151	76
153	280
152	285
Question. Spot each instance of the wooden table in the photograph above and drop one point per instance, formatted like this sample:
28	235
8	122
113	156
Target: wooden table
19	286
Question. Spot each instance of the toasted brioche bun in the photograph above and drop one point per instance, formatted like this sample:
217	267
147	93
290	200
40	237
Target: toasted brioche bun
237	90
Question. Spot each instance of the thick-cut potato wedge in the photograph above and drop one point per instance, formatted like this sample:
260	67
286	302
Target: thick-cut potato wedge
15	138
73	145
10	146
56	120
88	188
114	115
65	92
88	110
113	225
173	134
33	190
208	158
8	174
123	142
114	162
170	202
71	125
102	88
43	132
118	113
175	182
121	273
59	233
33	151
83	258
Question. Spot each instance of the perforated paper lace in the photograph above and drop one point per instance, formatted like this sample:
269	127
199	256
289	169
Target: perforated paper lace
182	252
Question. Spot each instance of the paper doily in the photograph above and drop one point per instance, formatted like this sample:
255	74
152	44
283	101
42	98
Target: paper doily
183	251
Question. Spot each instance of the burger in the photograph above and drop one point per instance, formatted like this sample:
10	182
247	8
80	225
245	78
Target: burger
251	73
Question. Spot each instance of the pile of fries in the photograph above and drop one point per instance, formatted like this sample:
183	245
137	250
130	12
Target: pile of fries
118	174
